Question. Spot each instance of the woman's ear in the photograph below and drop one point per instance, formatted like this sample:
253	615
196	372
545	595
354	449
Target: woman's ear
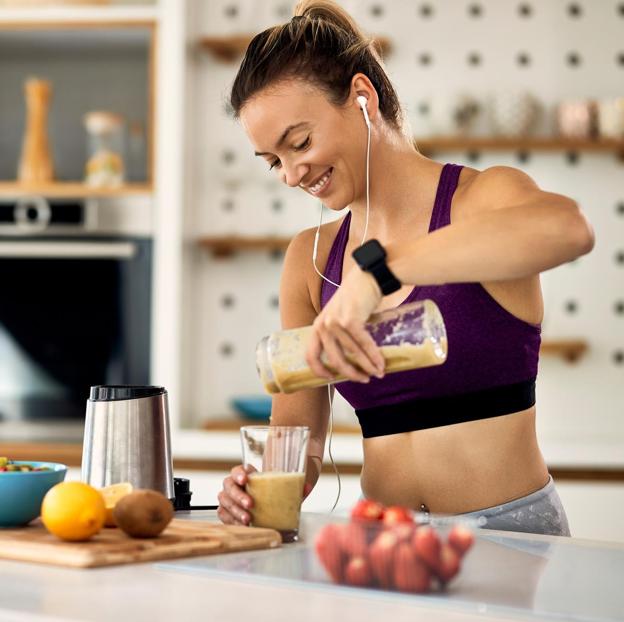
361	86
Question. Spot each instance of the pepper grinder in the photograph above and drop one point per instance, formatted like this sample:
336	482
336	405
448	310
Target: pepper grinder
36	161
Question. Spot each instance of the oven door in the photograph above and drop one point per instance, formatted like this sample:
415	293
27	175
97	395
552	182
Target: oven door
74	312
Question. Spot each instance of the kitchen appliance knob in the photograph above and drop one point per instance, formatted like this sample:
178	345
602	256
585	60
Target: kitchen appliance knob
32	213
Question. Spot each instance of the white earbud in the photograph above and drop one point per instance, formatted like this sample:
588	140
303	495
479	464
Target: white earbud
363	103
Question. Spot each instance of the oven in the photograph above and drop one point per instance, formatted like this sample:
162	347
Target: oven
74	310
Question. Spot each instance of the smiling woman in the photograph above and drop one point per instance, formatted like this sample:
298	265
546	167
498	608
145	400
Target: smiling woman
315	101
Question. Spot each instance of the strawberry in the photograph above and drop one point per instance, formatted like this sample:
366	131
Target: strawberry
358	572
366	509
450	563
381	556
404	531
329	551
461	539
410	573
353	540
397	514
427	544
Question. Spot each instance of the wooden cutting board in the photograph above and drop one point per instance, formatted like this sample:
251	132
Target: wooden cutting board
182	538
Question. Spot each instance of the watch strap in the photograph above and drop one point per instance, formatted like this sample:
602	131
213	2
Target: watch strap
386	280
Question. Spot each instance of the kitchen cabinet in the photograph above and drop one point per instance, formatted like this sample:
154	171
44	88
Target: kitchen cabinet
95	59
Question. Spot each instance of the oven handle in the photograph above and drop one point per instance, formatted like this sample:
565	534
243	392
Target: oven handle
68	250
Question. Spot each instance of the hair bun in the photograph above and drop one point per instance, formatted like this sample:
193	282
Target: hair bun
329	12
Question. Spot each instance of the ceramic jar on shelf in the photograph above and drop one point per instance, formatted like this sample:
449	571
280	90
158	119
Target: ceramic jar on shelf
105	164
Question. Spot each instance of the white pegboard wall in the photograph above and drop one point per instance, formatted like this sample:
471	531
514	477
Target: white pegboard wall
557	50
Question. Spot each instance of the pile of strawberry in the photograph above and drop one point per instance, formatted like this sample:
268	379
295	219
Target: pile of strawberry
383	547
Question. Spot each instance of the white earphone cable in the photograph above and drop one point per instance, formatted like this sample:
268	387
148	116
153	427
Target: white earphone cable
318	229
329	449
314	252
316	239
367	179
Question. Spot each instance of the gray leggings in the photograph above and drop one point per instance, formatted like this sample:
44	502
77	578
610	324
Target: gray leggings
539	512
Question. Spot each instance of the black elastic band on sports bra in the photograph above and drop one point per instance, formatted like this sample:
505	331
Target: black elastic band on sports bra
420	414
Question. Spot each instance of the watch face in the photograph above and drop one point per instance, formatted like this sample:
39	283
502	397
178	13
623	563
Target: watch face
369	253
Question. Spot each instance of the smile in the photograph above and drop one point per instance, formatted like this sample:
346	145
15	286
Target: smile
321	184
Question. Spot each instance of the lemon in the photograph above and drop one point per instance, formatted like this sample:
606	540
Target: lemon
111	495
73	511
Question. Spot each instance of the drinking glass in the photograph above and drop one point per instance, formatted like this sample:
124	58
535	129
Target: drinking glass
277	457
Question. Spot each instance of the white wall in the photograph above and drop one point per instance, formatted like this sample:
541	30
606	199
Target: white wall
233	193
230	304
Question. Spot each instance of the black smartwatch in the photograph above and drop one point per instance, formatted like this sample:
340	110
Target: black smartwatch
371	257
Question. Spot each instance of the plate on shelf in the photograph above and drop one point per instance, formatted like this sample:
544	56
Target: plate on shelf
256	407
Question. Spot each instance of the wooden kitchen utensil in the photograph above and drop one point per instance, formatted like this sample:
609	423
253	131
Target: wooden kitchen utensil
36	161
182	538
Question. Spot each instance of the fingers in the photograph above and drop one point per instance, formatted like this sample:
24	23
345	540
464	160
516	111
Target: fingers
348	349
362	350
233	500
307	489
338	361
313	358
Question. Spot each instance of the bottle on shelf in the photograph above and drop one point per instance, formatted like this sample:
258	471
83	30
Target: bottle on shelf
105	164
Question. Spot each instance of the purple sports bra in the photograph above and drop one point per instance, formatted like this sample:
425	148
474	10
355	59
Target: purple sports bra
492	357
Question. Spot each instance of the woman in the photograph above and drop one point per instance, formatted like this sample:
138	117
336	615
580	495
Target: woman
458	438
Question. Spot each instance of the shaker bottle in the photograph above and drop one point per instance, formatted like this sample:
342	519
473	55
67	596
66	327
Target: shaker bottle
410	336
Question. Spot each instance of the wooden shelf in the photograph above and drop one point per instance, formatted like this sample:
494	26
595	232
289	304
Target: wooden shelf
229	48
75	16
228	245
67	189
569	349
545	144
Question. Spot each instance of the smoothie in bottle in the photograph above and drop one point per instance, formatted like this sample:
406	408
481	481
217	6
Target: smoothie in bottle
410	336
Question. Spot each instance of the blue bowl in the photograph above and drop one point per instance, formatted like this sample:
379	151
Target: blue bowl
21	492
253	407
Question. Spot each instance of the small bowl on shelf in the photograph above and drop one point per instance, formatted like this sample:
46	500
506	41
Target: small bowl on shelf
21	492
253	407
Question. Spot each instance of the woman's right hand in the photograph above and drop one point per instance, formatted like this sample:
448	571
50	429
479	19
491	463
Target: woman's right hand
234	502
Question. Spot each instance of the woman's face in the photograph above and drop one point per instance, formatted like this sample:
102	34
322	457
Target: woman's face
309	142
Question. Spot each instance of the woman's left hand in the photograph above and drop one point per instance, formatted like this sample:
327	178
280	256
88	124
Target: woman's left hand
339	331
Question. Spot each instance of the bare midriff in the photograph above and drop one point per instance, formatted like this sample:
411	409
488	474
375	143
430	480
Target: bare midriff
456	468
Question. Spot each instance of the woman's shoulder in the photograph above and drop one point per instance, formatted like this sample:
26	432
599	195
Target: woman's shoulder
298	272
496	186
301	247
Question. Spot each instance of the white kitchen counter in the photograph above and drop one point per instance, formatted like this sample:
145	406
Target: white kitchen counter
505	576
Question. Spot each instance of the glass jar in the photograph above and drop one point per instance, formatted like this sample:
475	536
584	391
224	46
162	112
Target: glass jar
410	336
105	164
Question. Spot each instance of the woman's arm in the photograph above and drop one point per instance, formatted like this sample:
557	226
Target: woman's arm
508	229
302	408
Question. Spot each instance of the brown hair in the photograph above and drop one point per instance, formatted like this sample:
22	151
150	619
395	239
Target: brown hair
321	44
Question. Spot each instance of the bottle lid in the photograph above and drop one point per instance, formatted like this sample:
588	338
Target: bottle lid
102	121
116	392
